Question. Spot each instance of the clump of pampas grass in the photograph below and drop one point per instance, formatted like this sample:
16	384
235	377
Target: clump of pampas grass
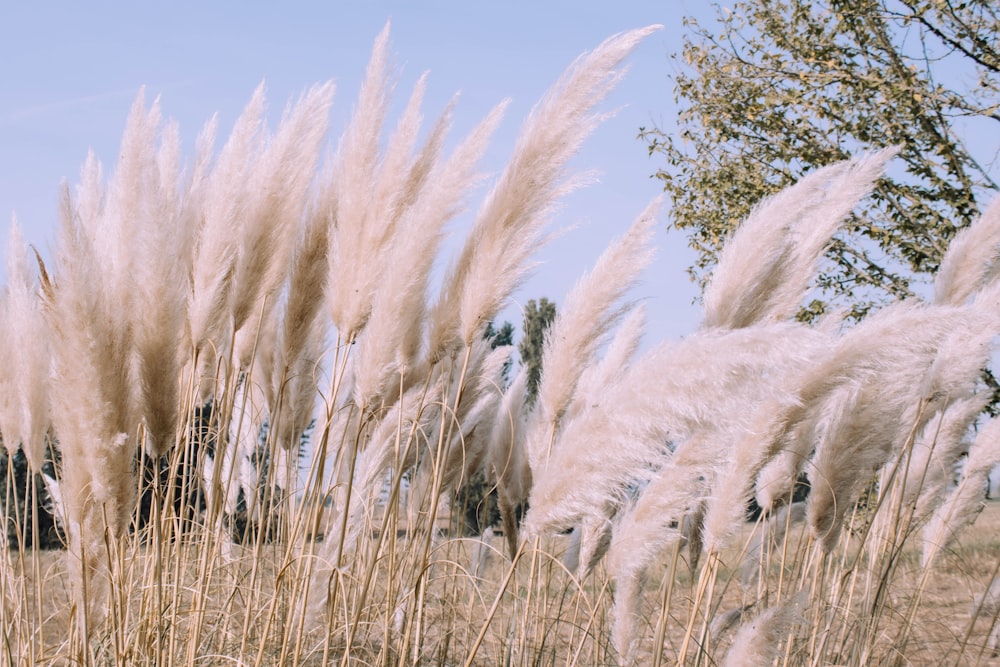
24	408
203	317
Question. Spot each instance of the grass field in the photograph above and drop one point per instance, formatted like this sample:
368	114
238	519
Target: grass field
203	318
243	611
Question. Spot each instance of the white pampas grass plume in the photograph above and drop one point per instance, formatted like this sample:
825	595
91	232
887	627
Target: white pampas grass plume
595	534
595	377
625	632
275	198
588	313
593	537
791	435
935	452
509	457
759	642
160	274
509	225
765	268
25	414
964	504
126	207
92	408
362	230
971	259
397	315
670	500
302	339
886	382
646	530
669	394
217	247
94	404
766	435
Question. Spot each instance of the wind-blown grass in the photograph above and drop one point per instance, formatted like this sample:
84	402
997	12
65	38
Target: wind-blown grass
247	345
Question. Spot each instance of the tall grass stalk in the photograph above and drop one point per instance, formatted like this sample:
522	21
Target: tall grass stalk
260	423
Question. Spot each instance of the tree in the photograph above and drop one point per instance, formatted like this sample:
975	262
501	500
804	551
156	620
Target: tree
26	507
499	337
781	87
537	318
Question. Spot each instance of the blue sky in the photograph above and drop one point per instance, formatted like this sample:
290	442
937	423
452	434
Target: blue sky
70	72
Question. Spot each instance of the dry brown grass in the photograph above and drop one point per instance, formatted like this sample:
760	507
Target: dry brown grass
246	607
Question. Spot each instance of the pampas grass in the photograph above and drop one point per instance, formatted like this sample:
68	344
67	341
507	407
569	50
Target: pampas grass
401	296
966	501
298	496
764	270
357	232
668	394
508	227
860	433
591	308
24	417
970	262
759	641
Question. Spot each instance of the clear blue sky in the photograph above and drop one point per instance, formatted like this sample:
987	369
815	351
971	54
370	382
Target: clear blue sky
70	72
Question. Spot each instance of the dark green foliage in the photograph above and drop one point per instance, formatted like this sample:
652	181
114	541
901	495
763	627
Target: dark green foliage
173	482
26	505
537	318
777	88
498	337
475	506
251	524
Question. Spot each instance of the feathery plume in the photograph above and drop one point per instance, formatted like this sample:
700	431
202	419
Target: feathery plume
160	273
275	199
935	452
592	538
25	384
595	377
789	231
91	409
656	518
299	352
759	641
964	504
645	530
217	246
888	382
508	457
391	349
508	227
361	229
971	259
668	395
588	313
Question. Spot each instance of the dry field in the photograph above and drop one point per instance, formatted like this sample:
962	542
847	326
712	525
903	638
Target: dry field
241	610
203	318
